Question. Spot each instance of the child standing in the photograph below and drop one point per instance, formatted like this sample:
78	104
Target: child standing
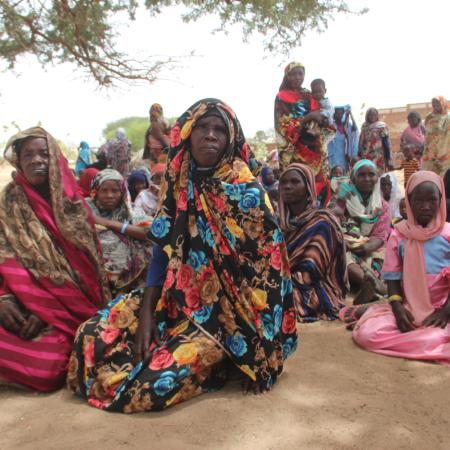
410	165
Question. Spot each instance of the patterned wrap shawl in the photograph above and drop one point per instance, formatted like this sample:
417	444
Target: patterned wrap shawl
228	268
315	245
351	197
295	144
436	156
50	258
374	143
135	252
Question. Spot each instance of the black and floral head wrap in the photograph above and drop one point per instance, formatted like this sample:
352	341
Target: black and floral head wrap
228	268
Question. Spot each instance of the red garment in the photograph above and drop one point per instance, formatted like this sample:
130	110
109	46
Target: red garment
85	181
50	266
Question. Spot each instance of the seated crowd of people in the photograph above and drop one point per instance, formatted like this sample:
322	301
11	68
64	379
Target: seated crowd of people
143	288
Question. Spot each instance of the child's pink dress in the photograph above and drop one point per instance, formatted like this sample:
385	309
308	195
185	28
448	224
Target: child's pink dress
377	330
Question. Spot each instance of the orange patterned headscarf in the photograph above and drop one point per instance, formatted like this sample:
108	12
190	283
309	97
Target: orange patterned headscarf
443	102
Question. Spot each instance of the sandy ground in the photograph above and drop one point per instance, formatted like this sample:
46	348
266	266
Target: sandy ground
331	395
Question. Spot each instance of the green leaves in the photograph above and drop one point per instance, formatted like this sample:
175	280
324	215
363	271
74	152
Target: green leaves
82	31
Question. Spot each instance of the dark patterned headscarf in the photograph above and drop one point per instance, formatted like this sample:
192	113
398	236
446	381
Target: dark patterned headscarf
64	223
228	268
123	210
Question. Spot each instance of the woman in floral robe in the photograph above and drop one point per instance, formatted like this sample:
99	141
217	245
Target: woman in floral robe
226	300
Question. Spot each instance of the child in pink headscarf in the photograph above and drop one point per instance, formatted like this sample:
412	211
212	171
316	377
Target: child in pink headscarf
415	322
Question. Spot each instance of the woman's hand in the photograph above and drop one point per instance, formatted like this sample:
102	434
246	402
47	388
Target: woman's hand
313	115
32	327
360	250
147	328
368	248
438	318
11	318
403	317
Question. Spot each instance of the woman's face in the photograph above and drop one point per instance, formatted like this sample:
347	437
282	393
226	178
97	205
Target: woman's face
33	161
425	200
270	178
296	77
386	187
437	107
209	139
338	115
292	187
109	195
139	186
337	171
372	115
413	120
365	179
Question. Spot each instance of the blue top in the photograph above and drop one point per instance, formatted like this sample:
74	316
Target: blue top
157	269
84	158
436	252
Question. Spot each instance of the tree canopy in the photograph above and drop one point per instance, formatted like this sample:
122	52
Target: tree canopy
81	31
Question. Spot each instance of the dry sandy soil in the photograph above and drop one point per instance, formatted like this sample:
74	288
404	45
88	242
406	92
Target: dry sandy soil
331	395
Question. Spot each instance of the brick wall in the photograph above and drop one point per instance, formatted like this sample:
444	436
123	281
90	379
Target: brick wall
396	119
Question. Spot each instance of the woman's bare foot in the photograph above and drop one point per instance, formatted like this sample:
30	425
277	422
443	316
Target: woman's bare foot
250	386
367	293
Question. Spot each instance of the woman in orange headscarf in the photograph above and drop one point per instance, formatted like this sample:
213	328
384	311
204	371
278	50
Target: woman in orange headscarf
436	156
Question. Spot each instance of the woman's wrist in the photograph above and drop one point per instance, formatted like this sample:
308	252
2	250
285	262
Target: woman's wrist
124	227
396	304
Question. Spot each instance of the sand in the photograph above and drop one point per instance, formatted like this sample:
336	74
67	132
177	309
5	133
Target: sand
332	395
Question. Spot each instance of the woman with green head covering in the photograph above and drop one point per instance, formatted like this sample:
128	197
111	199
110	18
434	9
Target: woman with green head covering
366	225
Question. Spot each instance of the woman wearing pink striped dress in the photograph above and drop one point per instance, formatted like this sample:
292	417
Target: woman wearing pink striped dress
51	278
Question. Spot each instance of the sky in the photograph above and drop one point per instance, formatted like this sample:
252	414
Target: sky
393	55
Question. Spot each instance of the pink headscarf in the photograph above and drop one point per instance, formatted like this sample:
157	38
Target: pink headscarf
414	272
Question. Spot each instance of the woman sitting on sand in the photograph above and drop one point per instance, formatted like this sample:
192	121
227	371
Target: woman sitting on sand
51	276
414	324
122	231
366	225
227	296
315	246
